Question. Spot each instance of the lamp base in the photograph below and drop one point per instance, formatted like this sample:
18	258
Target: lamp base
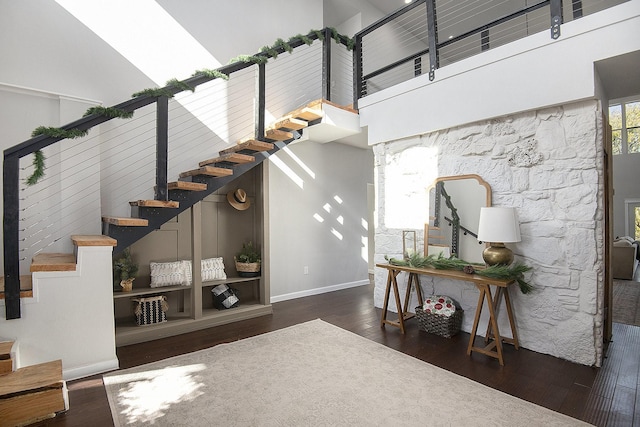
497	254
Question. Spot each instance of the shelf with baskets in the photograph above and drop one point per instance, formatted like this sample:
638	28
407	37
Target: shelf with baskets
209	229
186	312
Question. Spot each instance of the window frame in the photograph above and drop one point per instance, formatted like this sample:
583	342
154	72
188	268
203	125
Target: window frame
624	130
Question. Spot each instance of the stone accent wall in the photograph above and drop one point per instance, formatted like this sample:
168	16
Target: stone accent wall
549	165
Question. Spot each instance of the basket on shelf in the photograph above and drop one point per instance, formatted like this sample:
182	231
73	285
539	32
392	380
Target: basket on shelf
247	269
439	324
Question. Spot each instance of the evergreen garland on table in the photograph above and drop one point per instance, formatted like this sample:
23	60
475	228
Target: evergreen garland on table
505	272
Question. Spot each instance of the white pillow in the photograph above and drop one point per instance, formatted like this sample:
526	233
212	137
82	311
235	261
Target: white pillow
213	269
170	273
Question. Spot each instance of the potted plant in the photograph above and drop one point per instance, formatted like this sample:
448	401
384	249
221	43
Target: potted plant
125	270
248	261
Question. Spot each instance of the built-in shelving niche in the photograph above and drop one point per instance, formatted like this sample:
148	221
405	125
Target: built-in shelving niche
212	228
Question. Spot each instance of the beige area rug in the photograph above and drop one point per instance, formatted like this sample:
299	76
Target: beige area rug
311	374
626	298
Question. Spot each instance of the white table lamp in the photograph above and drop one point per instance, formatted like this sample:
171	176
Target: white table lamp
498	226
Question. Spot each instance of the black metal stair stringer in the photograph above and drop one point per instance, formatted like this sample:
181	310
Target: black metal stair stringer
126	236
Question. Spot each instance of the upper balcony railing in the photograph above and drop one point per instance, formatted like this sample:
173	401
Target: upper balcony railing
428	34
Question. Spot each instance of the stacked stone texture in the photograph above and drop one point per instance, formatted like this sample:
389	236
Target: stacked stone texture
548	164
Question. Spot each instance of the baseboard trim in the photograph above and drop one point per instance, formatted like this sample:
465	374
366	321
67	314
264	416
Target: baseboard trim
318	291
88	370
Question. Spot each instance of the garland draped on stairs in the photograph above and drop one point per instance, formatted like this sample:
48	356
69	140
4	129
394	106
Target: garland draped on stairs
266	52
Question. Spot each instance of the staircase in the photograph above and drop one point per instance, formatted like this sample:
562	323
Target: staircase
30	394
211	175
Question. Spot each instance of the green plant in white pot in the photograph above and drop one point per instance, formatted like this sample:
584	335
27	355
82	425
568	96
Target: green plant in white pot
248	261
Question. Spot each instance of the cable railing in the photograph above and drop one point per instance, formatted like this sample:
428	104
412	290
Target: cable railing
428	34
172	129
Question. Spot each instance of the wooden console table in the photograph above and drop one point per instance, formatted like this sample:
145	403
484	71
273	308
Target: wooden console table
493	340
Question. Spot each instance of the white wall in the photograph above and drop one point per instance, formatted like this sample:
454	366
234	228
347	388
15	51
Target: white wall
70	317
311	181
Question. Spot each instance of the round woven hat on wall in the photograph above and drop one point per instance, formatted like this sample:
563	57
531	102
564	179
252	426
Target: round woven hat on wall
238	199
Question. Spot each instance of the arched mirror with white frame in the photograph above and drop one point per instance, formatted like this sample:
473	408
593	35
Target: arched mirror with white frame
454	214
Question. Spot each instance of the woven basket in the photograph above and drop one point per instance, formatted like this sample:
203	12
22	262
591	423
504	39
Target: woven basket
247	269
438	324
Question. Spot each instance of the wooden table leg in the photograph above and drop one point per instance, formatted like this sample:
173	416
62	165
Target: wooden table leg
500	292
392	284
385	306
485	294
494	323
514	331
476	321
496	306
413	280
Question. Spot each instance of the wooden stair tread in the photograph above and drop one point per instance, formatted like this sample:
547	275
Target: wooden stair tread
53	262
125	222
308	114
278	135
33	393
97	240
290	123
207	170
251	144
155	204
6	362
46	375
5	349
231	158
26	286
187	186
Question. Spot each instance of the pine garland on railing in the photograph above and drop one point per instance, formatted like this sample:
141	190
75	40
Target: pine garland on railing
249	58
55	132
213	74
512	272
111	112
38	165
171	85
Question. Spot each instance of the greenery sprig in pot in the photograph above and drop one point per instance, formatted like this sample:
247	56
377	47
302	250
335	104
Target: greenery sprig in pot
248	261
124	271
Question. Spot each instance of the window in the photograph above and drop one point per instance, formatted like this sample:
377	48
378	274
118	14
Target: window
624	118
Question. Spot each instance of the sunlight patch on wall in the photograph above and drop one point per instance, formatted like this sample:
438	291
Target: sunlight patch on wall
364	223
276	161
155	43
336	233
299	162
407	175
318	218
364	249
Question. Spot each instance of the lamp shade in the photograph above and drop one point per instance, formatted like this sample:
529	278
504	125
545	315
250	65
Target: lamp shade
498	224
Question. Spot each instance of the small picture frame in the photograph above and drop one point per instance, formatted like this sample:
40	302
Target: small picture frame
409	243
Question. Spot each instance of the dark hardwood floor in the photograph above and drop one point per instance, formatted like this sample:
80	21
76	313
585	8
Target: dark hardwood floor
605	397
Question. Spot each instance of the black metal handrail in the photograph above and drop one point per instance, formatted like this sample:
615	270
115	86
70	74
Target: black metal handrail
13	154
435	46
